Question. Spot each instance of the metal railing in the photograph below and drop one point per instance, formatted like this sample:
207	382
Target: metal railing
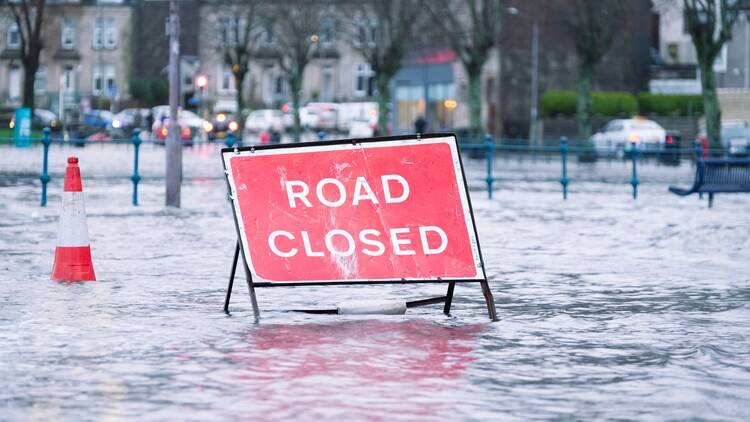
489	150
486	148
135	139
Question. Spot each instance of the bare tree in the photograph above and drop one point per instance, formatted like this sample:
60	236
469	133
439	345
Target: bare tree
296	38
472	27
29	17
239	32
593	25
382	31
709	23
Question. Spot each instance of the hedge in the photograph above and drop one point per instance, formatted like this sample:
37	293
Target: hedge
670	105
558	103
614	104
611	104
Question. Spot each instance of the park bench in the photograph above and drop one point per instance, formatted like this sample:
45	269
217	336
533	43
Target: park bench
718	175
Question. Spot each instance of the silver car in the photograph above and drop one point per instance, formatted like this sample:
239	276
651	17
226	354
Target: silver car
616	138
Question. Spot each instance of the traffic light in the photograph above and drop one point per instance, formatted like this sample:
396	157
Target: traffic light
201	81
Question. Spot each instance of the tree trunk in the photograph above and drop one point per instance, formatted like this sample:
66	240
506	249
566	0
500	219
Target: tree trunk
295	83
239	79
711	106
28	85
475	100
382	81
583	102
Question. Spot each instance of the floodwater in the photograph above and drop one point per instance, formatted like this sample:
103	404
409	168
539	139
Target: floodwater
609	309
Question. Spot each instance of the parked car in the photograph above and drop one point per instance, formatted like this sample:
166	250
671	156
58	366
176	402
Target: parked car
97	119
221	125
361	128
192	126
42	118
260	120
309	118
617	136
128	119
45	118
327	115
735	137
348	112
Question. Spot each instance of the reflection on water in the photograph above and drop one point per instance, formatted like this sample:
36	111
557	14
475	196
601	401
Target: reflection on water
386	351
335	370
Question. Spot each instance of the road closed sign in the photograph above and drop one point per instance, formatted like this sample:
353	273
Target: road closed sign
376	210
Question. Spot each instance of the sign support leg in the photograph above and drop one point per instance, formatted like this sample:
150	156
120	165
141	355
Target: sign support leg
490	300
449	298
251	289
231	278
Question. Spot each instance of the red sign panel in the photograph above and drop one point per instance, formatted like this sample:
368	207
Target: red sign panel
386	210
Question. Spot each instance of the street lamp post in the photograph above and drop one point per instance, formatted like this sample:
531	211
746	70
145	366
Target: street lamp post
512	11
534	112
174	134
744	17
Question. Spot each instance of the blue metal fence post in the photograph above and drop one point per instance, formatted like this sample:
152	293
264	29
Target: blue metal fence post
45	176
634	179
229	142
564	154
136	177
489	144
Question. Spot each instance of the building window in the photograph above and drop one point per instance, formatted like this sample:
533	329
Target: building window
98	41
267	84
13	36
279	89
14	83
105	33
410	105
268	37
327	29
226	79
110	33
67	36
365	33
229	31
441	103
364	81
104	80
40	80
68	79
326	87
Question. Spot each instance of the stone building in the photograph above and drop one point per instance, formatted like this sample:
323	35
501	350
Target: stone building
86	55
337	72
94	48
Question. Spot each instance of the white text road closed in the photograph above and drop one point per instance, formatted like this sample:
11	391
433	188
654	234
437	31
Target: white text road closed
391	210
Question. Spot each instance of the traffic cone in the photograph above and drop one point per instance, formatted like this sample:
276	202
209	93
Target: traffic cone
73	252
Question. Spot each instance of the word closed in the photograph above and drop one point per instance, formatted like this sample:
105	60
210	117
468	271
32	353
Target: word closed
394	210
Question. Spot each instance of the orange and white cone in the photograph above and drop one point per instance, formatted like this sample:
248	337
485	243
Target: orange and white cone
73	252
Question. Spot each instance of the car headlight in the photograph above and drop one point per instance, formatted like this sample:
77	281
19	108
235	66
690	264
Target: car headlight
208	127
233	126
115	124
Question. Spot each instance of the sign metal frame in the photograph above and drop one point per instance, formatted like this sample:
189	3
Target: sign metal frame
447	299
